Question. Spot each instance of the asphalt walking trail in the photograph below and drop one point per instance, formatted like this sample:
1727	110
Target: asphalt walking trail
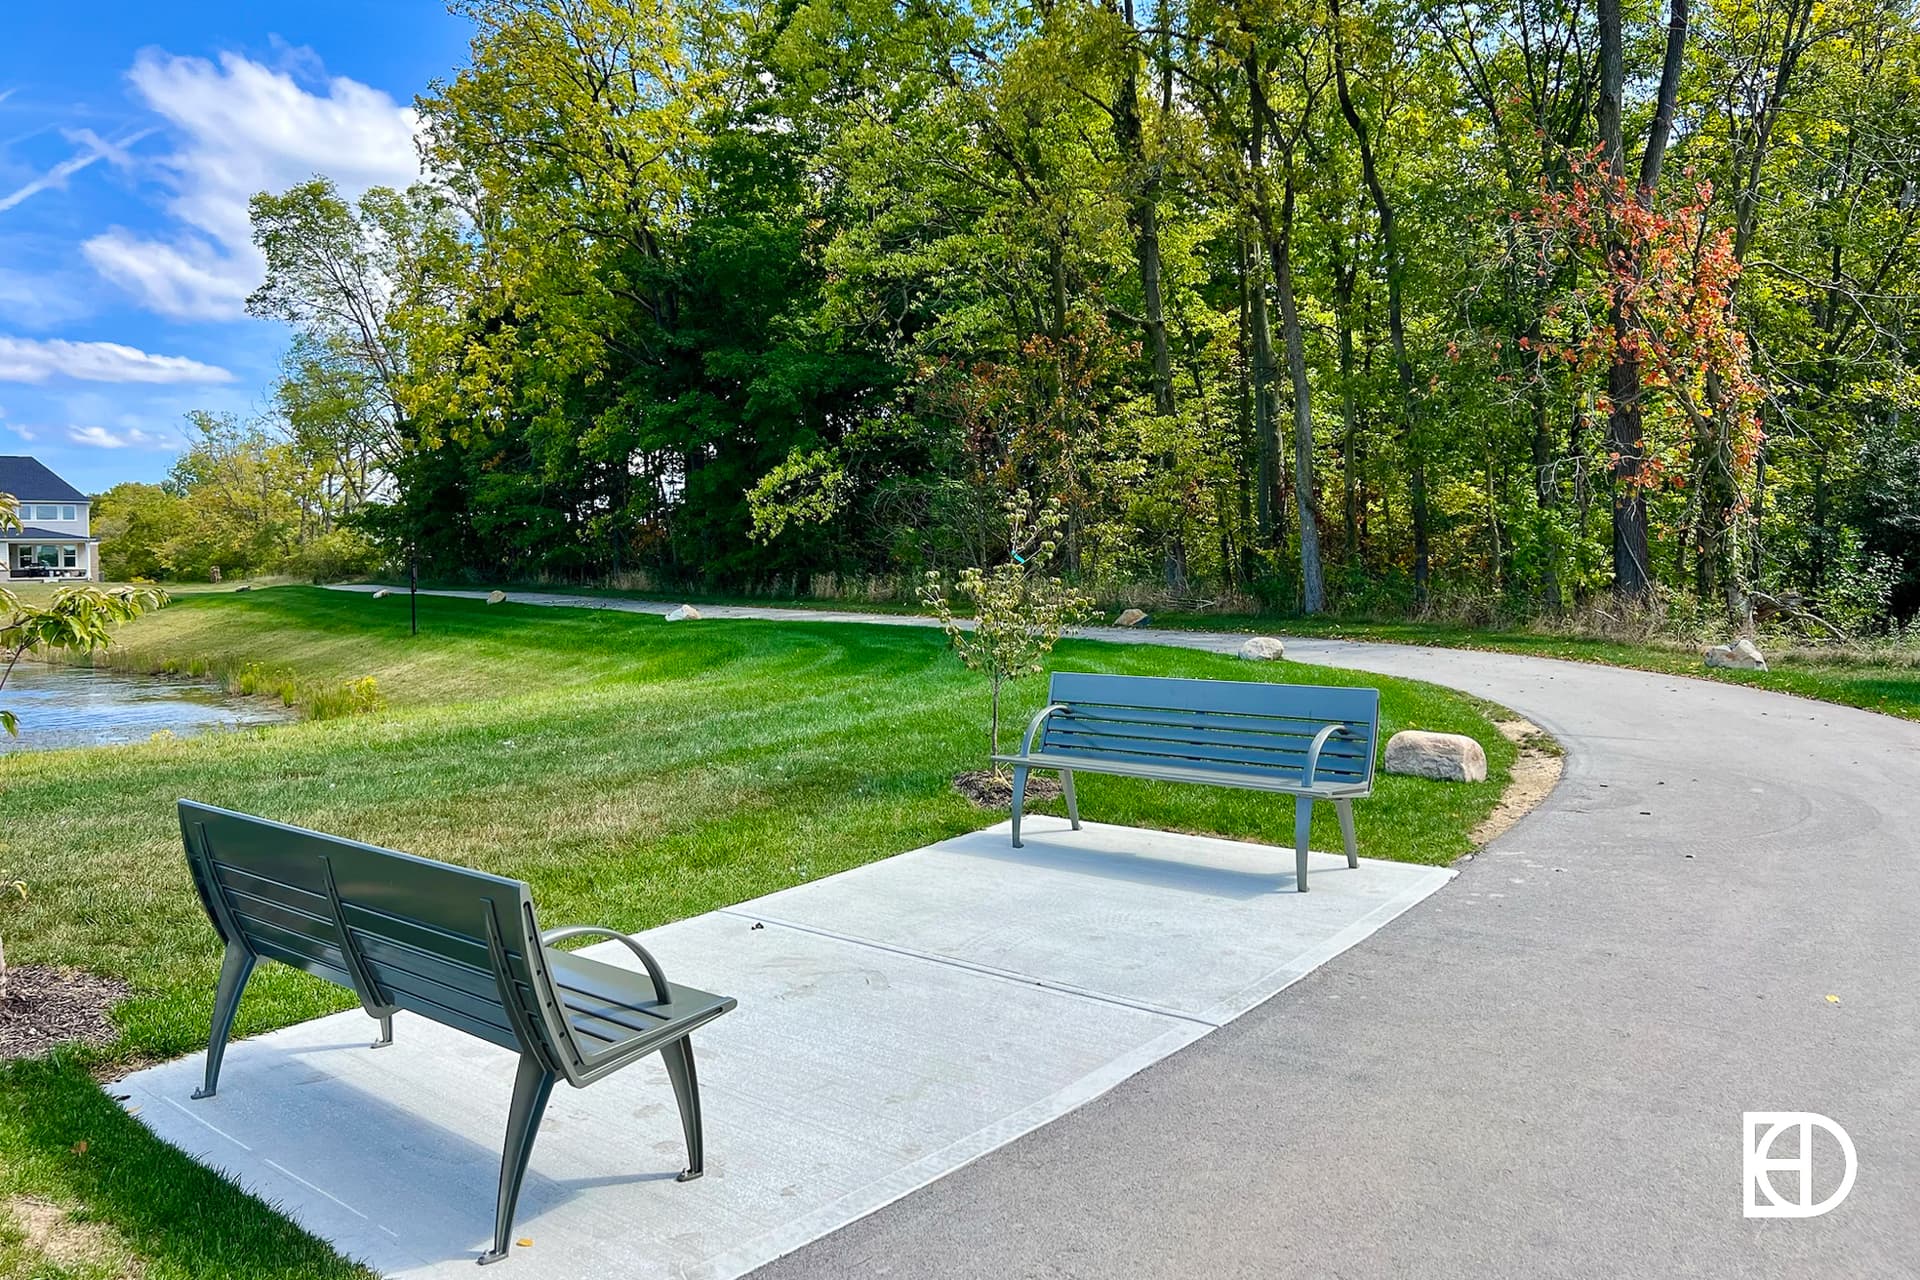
1542	1070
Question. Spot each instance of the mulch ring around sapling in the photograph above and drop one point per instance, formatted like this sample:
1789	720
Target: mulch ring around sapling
990	789
47	1007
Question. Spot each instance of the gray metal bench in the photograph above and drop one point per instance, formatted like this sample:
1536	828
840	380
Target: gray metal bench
458	946
1311	742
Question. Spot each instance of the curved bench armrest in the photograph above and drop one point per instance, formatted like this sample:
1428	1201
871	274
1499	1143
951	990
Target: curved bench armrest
654	972
1033	725
1313	752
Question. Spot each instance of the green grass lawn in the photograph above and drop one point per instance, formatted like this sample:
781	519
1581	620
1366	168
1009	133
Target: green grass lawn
1866	679
634	771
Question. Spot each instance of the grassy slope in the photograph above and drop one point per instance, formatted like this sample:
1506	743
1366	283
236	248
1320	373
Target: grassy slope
1875	684
634	771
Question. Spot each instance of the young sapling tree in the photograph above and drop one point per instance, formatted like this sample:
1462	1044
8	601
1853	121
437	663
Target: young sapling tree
1019	611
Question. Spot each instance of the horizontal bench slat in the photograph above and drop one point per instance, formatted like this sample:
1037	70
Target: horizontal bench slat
295	960
398	955
1352	743
1199	755
1277	726
1162	770
1072	734
258	928
1245	697
292	895
403	987
424	937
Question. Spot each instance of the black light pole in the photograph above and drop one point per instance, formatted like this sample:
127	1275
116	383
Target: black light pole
413	588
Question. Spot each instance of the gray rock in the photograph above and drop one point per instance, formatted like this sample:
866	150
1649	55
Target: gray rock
1130	618
685	613
496	597
1262	649
383	593
1741	655
1443	757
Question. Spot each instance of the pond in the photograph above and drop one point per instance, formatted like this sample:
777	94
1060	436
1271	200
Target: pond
82	707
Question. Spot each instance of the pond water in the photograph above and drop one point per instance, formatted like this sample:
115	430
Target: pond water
83	707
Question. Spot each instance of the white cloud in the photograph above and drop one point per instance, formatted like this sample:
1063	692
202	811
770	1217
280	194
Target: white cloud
92	148
242	127
28	360
127	438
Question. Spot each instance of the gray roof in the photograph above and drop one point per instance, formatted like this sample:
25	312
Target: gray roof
29	480
32	533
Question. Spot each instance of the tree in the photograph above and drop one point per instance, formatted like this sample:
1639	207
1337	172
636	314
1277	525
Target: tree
1626	444
1018	612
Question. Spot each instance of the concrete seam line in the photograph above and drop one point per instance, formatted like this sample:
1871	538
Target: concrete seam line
970	966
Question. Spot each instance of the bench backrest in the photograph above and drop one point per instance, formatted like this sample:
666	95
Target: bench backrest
1226	726
458	946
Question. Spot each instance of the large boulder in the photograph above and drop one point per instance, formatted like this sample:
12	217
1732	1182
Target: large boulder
1130	618
496	597
1443	757
1262	649
1741	655
685	613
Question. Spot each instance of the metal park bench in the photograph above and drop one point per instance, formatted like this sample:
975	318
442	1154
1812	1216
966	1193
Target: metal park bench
1307	741
458	946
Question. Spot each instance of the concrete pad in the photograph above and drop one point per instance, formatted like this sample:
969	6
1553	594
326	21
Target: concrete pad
896	1022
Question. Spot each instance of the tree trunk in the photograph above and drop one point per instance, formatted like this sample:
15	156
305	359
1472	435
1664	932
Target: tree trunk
1143	212
1313	591
1396	319
1344	273
1265	424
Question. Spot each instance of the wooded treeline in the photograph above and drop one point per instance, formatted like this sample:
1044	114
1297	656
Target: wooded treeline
1330	303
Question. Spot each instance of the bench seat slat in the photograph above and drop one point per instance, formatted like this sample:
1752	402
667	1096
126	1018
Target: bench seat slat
1201	754
1162	770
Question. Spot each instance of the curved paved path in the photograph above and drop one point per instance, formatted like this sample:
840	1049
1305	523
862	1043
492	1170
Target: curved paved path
1540	1071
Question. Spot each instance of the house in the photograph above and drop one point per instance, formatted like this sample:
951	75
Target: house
54	539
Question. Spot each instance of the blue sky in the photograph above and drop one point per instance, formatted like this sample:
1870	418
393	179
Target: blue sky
131	136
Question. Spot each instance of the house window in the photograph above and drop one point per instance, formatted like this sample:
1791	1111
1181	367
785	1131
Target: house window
68	513
43	556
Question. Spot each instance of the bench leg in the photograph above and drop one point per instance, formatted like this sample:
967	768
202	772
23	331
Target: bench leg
532	1086
1345	809
1019	801
1073	805
1302	827
235	969
386	1032
678	1058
